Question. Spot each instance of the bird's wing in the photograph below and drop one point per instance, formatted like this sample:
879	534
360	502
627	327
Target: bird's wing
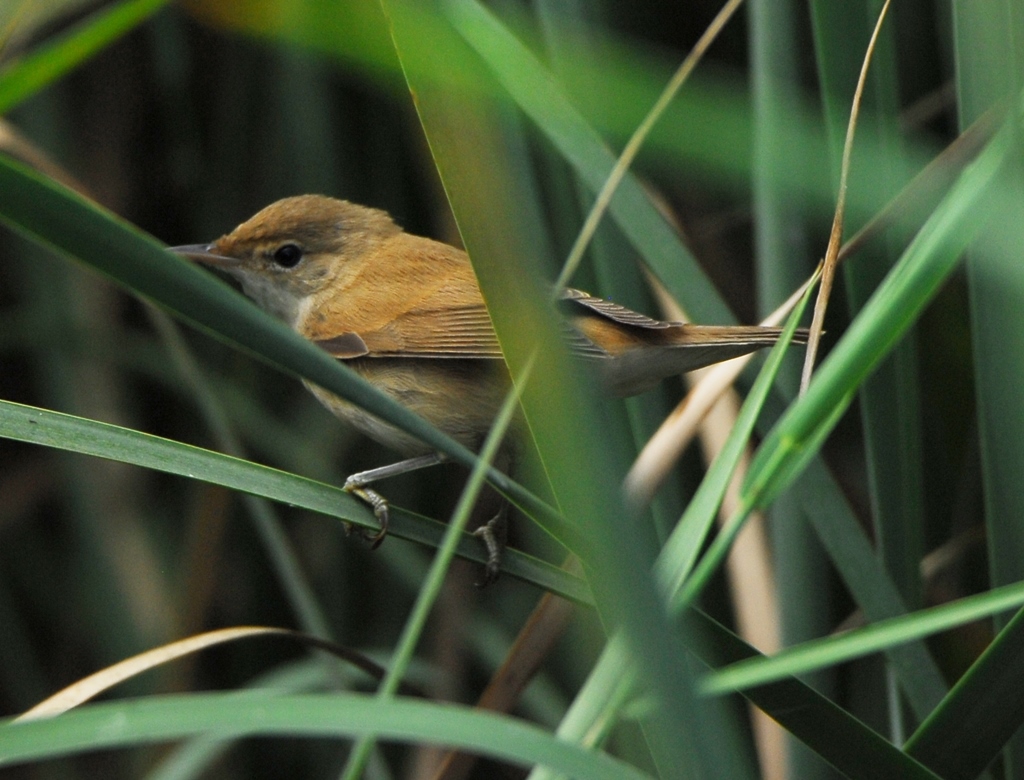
603	329
461	332
440	312
436	328
613	311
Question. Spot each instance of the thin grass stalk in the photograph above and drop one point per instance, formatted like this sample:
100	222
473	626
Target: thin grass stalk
431	587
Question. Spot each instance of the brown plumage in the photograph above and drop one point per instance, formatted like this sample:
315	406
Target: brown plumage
407	314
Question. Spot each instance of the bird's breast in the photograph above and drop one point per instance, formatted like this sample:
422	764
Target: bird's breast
458	396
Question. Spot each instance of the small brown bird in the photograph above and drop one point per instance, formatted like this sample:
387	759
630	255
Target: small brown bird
406	313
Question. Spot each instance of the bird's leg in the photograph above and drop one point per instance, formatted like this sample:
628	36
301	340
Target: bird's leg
494	535
356	485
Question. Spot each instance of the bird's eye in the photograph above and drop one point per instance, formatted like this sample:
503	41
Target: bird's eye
288	255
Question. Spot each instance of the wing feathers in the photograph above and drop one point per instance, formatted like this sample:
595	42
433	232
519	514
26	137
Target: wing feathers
614	311
464	332
597	329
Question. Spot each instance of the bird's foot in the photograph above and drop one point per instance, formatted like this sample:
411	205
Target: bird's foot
357	486
494	535
377	503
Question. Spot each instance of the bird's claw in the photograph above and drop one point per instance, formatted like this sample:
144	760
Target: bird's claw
492	534
378	504
356	484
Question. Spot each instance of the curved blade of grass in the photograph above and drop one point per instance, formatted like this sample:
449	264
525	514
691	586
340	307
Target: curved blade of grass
830	731
92	686
984	710
636	140
926	263
165	718
831	260
24	77
537	93
863	641
61	219
676	561
74	434
833	733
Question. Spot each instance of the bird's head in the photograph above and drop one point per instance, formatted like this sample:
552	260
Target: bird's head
294	248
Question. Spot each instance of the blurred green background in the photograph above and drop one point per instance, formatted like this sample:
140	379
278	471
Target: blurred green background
212	109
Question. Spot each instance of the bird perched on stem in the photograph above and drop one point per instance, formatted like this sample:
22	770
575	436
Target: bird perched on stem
406	313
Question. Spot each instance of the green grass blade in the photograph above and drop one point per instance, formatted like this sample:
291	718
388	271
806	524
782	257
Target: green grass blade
830	731
862	641
537	93
676	563
25	77
927	262
88	437
434	581
161	719
783	258
966	732
561	411
562	22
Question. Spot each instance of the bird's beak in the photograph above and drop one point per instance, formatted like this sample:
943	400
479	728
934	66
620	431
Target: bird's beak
203	253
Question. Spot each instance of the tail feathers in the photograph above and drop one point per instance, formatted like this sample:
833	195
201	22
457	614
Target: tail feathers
714	335
685	348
